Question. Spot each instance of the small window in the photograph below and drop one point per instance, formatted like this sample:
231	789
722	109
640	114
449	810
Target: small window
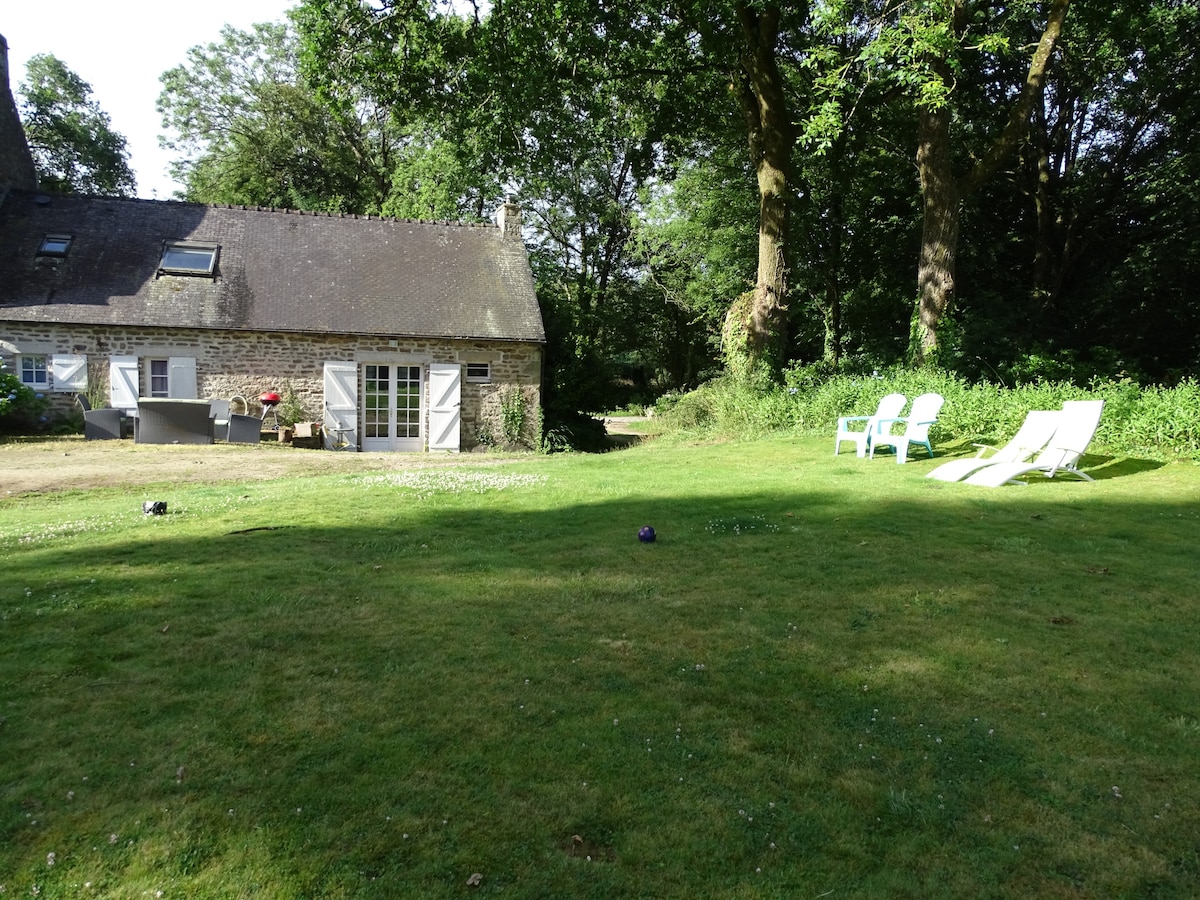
55	245
34	373
481	373
184	258
160	378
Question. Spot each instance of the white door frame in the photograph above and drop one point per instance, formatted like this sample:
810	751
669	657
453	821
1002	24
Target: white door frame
392	405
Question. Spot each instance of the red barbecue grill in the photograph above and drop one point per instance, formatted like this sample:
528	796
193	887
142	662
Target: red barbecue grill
270	400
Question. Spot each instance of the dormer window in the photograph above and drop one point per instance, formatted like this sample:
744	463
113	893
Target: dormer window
55	245
188	258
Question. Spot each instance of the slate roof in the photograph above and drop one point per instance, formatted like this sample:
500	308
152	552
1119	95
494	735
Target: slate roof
277	271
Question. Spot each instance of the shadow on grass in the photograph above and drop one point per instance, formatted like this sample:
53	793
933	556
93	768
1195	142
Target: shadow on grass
1102	468
790	689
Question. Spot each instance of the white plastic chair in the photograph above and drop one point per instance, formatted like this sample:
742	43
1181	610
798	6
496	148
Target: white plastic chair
924	413
1035	432
888	410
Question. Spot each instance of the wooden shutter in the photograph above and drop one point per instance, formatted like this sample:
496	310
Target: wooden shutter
181	378
341	401
123	382
445	406
68	372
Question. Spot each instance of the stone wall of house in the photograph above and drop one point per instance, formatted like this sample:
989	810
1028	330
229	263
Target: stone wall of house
245	364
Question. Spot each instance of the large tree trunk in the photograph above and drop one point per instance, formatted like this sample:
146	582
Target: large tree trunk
756	331
942	193
939	229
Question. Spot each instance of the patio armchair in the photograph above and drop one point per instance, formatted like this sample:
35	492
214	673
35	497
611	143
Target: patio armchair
99	424
872	426
916	424
219	411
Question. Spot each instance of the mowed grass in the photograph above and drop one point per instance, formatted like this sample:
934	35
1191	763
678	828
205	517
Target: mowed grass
828	677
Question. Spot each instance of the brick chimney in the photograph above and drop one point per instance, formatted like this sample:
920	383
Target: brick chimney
508	220
16	164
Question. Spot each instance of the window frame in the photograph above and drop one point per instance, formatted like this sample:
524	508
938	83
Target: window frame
189	247
44	370
164	377
55	244
476	377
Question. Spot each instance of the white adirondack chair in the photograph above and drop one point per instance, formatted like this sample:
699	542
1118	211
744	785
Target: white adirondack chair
924	413
848	428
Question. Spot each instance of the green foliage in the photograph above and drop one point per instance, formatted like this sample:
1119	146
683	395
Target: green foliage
21	407
252	131
291	408
566	431
619	135
74	147
728	406
1157	422
514	414
97	392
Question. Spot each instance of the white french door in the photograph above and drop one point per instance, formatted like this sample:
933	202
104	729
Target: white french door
391	407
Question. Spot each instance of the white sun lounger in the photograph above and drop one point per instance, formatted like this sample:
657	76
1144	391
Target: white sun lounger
1077	425
1035	432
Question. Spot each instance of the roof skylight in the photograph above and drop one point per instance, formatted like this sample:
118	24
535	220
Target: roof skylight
55	245
189	258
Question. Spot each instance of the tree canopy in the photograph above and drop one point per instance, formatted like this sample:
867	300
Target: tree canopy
1005	188
74	147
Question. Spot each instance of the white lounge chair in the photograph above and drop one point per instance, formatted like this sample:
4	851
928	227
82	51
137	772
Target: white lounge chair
923	414
889	409
1035	432
1077	425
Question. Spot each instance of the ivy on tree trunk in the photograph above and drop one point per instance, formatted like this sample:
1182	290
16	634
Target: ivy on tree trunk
755	332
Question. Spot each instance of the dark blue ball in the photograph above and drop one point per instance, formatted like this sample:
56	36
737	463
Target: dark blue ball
646	534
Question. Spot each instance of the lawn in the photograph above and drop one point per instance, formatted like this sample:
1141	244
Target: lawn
829	677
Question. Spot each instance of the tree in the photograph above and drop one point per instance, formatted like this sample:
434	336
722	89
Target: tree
934	38
72	141
538	78
1115	178
252	129
251	132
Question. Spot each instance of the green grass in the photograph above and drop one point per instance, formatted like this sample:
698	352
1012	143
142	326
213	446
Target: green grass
829	677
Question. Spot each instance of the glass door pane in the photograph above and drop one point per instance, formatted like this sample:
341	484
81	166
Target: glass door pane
377	402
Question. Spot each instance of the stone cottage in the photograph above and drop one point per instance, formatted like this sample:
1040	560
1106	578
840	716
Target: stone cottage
401	335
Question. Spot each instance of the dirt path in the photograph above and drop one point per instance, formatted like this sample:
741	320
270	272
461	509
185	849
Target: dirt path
65	463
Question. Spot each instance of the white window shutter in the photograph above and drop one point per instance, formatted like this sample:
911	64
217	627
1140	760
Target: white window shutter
341	401
68	373
445	406
181	383
123	382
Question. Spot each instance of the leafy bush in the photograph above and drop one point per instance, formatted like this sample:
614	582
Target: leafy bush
564	432
1160	422
1069	365
20	407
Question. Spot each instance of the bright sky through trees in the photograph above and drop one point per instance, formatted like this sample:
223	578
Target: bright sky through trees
121	48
